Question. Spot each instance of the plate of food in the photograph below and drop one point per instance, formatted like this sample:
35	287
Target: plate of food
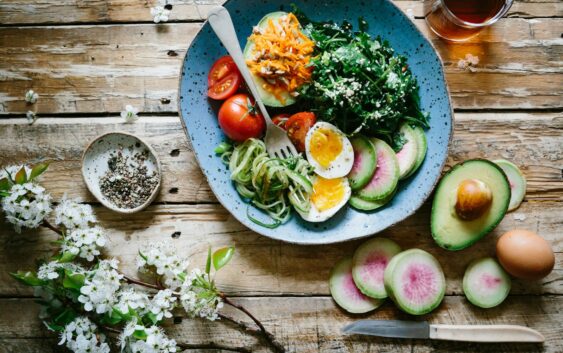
361	95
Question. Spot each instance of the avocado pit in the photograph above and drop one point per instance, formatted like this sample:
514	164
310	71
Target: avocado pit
474	197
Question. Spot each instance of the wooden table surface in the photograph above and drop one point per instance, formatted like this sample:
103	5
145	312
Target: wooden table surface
88	59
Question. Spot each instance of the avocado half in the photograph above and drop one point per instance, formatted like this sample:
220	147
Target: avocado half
448	229
268	98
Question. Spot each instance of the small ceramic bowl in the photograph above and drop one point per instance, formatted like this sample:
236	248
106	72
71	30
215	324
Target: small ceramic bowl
95	164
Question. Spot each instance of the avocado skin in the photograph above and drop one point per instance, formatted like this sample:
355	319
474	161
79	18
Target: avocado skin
501	192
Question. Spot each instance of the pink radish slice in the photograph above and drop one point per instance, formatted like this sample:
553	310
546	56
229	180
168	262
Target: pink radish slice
485	283
344	290
386	176
369	263
408	153
415	281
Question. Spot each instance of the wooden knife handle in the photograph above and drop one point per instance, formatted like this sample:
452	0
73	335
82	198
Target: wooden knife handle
485	333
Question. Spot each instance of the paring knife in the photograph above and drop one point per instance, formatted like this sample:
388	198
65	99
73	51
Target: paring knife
422	329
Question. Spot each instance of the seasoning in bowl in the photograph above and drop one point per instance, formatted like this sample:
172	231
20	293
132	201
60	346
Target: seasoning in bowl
128	182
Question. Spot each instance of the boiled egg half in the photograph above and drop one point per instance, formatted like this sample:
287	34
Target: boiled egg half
328	196
329	151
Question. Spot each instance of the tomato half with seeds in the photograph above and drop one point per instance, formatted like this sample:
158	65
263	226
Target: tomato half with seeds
224	79
239	118
297	127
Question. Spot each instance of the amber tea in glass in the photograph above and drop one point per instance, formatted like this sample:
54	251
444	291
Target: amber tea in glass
459	20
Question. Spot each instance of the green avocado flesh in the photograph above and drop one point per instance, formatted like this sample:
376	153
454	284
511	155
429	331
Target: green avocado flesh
454	233
268	98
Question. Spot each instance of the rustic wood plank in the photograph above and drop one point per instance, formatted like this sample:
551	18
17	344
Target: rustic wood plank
104	11
532	141
82	69
313	325
266	267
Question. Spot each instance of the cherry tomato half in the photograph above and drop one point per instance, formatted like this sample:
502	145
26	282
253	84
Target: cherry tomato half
239	118
297	127
224	79
280	120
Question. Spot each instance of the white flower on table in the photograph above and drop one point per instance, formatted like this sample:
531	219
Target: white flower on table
469	62
162	304
73	215
130	114
82	336
196	300
100	287
156	340
84	242
50	270
26	205
159	14
132	299
31	97
163	259
31	117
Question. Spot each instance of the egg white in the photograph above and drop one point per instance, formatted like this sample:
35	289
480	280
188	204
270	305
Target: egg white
316	215
342	164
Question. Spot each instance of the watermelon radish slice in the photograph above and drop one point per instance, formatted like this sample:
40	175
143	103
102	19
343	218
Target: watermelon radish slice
415	281
344	291
365	162
363	205
369	263
516	180
422	147
485	283
407	155
386	176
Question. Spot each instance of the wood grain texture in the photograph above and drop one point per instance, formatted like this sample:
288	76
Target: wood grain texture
532	141
104	11
265	267
100	68
307	325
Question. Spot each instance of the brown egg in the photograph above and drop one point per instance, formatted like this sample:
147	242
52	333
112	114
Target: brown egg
525	254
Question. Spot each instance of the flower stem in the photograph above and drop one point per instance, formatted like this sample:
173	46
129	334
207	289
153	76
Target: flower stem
51	227
213	346
139	282
277	347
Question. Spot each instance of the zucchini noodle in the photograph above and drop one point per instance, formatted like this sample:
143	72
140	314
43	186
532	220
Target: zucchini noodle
271	184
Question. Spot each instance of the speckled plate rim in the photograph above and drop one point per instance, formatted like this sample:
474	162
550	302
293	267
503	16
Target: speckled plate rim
103	201
359	235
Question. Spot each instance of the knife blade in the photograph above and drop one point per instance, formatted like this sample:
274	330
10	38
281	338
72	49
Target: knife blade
424	330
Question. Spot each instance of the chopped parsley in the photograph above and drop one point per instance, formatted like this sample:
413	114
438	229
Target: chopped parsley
358	83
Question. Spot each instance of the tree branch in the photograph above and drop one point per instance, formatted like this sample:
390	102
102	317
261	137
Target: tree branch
213	346
139	282
51	227
277	347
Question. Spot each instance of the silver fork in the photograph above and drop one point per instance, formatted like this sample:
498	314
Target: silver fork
277	143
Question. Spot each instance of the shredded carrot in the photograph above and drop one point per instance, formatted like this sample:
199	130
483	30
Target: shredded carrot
281	56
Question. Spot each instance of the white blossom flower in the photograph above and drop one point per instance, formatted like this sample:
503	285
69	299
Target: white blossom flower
130	114
81	336
31	96
129	329
469	62
100	287
163	259
50	270
26	205
162	304
31	117
471	59
159	14
198	301
156	342
73	215
132	299
84	242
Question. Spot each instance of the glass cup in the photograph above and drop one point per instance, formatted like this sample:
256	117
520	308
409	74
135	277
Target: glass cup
459	20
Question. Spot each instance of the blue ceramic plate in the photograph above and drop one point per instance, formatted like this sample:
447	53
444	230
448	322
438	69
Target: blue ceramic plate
200	119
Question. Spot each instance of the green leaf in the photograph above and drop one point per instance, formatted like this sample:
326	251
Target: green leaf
208	262
37	170
28	278
152	318
73	281
54	327
114	317
222	256
140	335
65	257
5	184
21	176
65	317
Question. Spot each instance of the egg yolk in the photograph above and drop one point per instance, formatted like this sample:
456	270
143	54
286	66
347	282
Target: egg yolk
325	145
327	193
